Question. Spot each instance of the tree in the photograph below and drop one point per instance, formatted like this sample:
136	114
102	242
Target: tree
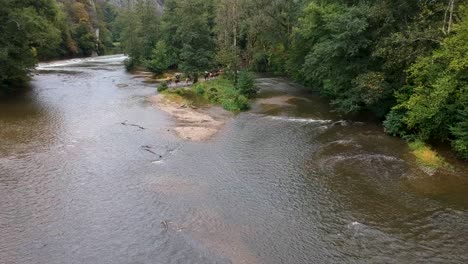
435	105
161	59
140	31
460	132
194	30
183	38
228	23
25	28
338	53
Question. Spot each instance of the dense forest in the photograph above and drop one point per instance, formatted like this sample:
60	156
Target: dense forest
404	61
33	30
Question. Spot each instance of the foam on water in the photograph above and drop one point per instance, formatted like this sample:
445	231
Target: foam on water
299	120
55	64
354	224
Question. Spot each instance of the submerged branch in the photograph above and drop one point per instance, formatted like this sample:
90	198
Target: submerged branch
134	125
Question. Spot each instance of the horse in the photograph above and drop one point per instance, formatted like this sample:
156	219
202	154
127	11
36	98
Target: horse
168	80
177	79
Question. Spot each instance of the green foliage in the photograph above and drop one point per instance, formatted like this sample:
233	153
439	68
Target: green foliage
140	30
246	84
460	132
194	31
161	58
417	144
224	93
393	123
163	87
26	31
229	59
130	64
79	23
220	91
426	156
85	39
435	106
336	59
236	104
278	59
260	62
182	38
200	90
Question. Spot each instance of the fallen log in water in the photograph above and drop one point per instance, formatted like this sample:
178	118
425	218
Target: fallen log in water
134	125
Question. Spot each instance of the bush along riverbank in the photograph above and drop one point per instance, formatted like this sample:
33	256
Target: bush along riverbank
191	106
221	91
427	157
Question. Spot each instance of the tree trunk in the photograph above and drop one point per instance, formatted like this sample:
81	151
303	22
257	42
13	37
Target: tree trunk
448	22
452	4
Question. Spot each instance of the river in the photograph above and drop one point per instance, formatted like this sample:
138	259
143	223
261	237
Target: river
287	182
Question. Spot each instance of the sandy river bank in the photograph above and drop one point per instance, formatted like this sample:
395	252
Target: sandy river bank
192	123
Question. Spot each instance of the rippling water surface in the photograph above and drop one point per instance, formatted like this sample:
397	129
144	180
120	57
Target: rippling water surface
287	182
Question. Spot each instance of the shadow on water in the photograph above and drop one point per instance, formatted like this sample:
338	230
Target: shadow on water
24	119
58	71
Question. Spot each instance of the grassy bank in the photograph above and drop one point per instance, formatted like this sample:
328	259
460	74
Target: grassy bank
220	91
426	156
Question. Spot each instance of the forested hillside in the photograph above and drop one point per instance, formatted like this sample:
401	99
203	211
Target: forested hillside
33	30
85	27
404	61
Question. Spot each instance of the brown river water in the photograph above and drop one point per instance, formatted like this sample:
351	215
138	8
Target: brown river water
287	182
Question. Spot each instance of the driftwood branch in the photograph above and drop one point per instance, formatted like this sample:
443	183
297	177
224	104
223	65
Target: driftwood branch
165	224
149	149
133	125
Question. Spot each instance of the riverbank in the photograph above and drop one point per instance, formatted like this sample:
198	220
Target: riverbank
201	109
185	104
191	123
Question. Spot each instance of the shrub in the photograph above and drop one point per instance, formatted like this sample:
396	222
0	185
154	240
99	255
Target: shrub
163	87
426	156
460	132
260	62
236	104
213	95
200	90
161	59
220	91
246	84
242	103
461	146
181	92
394	124
130	64
229	105
277	60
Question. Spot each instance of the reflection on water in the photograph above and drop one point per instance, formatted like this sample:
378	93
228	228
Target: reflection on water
288	182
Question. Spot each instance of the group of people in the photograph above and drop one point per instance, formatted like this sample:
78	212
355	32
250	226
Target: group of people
212	74
188	79
177	80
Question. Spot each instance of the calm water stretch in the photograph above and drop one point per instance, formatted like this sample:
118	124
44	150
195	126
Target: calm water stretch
287	182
